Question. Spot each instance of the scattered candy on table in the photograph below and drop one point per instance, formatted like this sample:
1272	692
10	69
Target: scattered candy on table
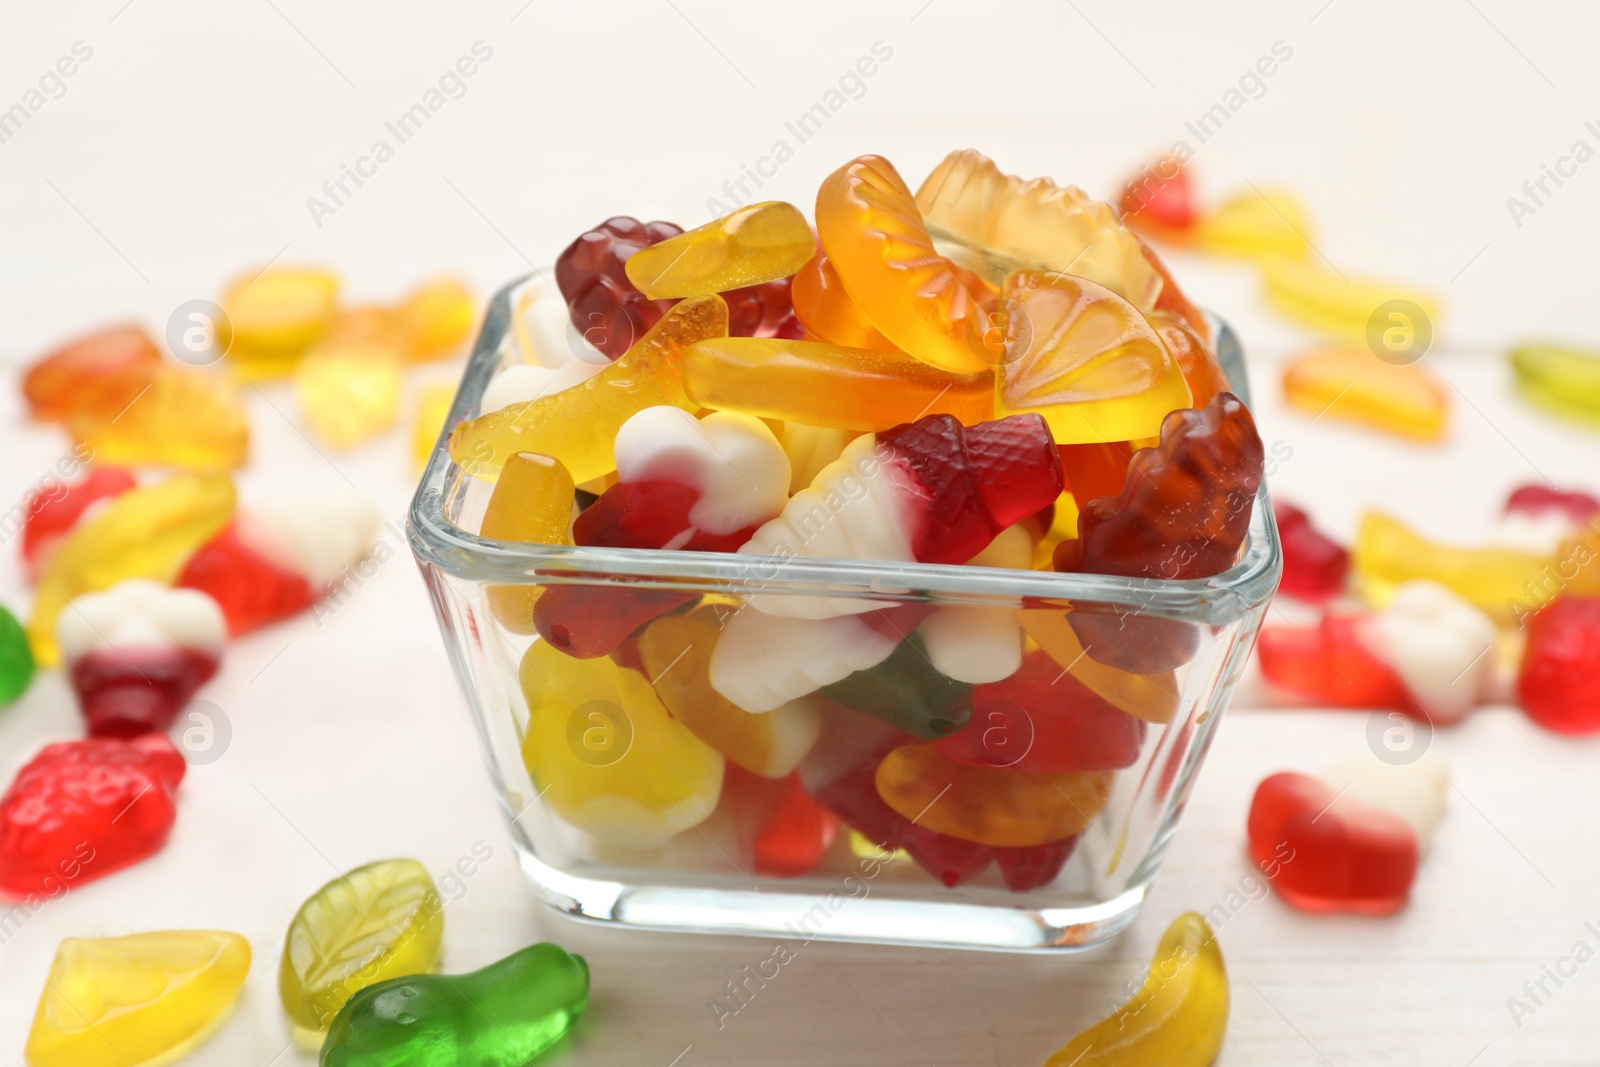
16	658
1560	379
1559	683
1353	385
1315	567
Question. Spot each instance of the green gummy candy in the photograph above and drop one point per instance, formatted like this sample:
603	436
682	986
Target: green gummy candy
906	691
1562	380
501	1016
16	658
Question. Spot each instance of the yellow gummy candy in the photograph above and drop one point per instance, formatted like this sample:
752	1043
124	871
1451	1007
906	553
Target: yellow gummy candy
273	319
1151	697
384	920
1344	305
604	754
676	650
433	407
758	243
1560	379
810	448
143	533
349	392
531	503
135	1000
1085	359
578	425
1356	386
1257	225
823	384
1034	225
1496	580
437	318
175	417
1177	1019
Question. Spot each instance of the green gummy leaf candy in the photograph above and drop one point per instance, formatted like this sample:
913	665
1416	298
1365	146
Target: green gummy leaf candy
501	1016
16	658
906	690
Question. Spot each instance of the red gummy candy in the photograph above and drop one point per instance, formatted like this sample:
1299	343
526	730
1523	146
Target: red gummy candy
1330	664
603	304
126	692
81	810
1044	719
784	832
763	310
1577	506
586	621
1034	866
52	517
1314	566
1559	684
650	514
974	481
1325	857
1159	200
251	589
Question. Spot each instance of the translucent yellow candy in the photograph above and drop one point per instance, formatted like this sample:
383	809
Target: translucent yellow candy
433	407
1257	225
606	756
1085	359
377	922
1356	386
1177	1019
676	650
137	1000
1560	379
823	384
1034	225
758	243
273	319
810	448
1343	305
531	503
1151	697
578	425
437	318
173	417
143	533
349	392
1497	580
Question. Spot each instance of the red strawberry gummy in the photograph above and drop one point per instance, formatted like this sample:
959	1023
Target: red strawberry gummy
603	304
1036	865
1159	200
1044	719
784	832
1327	857
247	580
1314	565
52	515
1579	507
1329	664
1559	684
81	810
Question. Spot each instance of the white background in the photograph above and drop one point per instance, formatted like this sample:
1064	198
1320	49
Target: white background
183	152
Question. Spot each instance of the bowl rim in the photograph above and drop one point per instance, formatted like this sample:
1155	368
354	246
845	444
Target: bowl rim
436	540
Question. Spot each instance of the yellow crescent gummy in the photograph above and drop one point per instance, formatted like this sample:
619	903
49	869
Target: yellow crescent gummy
173	417
1388	554
1257	225
1177	1019
1344	306
758	243
135	1000
580	423
1355	386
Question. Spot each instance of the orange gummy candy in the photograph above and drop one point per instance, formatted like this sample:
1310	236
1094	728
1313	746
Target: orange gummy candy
826	310
1356	386
162	415
72	377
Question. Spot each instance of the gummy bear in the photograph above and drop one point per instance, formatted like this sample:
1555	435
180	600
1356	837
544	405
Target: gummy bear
1330	302
274	318
380	921
80	810
1085	359
53	515
827	312
1160	204
753	244
437	318
1559	379
907	692
579	424
824	384
504	1014
607	757
143	533
1353	385
1388	554
1559	683
16	658
1012	224
138	1000
349	392
1177	1019
1315	567
166	416
988	805
1350	839
68	378
676	652
783	832
1261	225
531	503
875	238
137	652
604	306
1183	513
1044	719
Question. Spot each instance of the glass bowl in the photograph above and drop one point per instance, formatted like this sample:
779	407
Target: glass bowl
621	820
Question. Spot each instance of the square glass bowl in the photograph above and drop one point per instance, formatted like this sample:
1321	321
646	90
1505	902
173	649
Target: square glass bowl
649	851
